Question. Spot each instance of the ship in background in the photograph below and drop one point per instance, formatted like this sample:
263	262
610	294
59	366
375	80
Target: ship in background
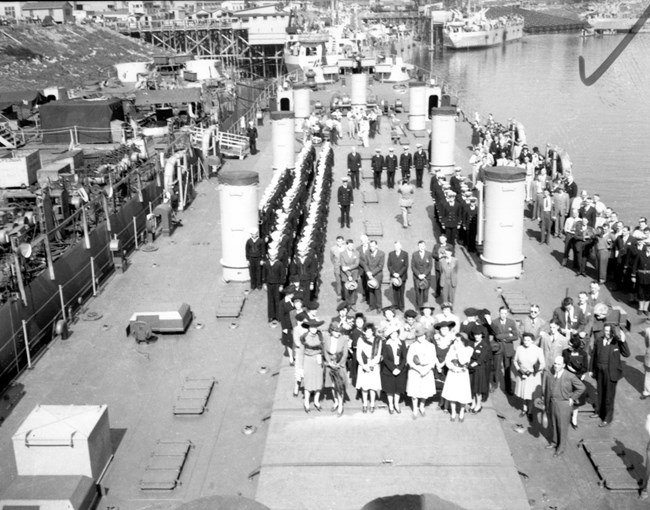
470	31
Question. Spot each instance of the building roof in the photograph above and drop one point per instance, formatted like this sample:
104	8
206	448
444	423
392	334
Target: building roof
171	96
40	6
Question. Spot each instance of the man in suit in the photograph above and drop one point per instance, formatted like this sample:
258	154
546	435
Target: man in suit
374	268
560	209
335	258
562	389
533	323
345	199
391	167
255	257
349	273
547	217
354	167
570	319
505	333
438	254
405	163
420	161
588	212
607	369
553	343
448	276
421	266
451	217
363	249
377	165
398	264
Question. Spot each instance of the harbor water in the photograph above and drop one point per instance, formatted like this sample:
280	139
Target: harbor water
604	127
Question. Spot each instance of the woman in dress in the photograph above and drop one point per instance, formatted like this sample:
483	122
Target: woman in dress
443	340
355	335
421	358
479	367
311	361
457	390
528	364
335	353
368	357
406	191
393	370
577	362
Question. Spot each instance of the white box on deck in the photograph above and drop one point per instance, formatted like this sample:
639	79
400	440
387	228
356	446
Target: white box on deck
19	170
63	440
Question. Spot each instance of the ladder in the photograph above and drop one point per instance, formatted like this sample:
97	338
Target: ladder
9	139
235	146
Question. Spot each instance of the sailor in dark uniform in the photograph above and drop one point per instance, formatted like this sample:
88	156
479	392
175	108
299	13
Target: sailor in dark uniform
276	275
354	167
255	259
391	167
377	165
451	217
405	164
420	161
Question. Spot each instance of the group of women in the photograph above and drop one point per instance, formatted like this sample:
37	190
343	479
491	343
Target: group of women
420	356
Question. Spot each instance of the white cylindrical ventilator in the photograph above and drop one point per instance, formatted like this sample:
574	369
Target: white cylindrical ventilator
239	216
504	222
417	106
301	104
283	140
359	89
443	140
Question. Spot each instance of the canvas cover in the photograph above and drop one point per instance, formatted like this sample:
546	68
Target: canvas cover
92	118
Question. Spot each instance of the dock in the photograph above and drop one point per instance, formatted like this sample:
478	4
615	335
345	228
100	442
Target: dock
253	438
536	22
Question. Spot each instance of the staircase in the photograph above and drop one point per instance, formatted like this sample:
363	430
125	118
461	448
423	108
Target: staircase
9	139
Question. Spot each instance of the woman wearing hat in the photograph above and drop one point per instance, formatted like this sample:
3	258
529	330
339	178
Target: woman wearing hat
393	370
457	390
390	322
528	364
368	357
427	320
479	366
335	353
577	362
311	361
421	358
406	191
355	338
443	338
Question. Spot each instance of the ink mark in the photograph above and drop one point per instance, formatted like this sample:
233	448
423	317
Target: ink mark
602	68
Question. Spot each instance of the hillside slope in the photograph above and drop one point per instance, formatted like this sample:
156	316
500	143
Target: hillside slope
34	57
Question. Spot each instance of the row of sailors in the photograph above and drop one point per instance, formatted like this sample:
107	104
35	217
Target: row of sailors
303	267
456	208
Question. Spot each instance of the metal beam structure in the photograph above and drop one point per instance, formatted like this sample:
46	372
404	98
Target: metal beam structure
220	41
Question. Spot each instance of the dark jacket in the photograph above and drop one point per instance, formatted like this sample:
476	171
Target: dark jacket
420	160
377	163
354	162
345	196
614	363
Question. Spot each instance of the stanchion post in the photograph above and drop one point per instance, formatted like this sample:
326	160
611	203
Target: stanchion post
135	232
92	275
62	302
29	355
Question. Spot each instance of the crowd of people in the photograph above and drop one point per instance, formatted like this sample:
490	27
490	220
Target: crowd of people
418	356
591	231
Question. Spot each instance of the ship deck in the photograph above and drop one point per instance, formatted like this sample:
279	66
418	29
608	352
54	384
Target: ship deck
294	460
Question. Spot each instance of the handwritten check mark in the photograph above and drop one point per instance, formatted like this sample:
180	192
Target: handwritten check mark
602	68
